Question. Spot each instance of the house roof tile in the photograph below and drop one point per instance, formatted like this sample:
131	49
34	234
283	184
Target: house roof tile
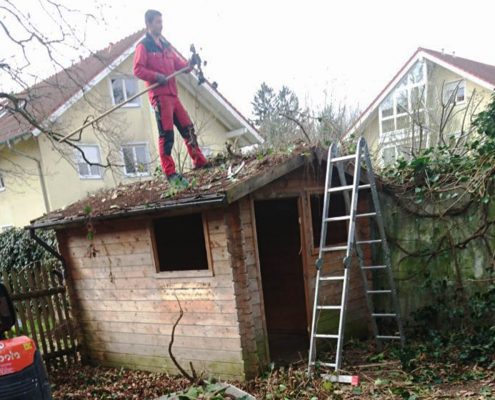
46	97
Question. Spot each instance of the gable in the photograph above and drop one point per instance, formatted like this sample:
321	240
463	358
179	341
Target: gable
480	74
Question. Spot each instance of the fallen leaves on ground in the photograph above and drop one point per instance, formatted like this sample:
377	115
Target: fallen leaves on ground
383	380
86	382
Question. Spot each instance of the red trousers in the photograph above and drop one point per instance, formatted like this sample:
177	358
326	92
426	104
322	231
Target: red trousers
169	111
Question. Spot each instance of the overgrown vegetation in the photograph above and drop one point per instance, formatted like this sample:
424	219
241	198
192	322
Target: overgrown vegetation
449	192
450	176
18	250
453	338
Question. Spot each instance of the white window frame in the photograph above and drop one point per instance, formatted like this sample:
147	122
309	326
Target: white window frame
148	156
394	94
2	183
382	153
454	82
133	104
78	155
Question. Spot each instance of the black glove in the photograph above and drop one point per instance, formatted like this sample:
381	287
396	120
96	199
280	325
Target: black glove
161	79
195	60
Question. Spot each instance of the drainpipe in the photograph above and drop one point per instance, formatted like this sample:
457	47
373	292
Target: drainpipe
40	173
52	251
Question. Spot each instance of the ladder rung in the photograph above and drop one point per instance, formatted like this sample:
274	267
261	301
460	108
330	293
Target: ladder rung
329	307
375	267
327	364
347	187
343	158
334	248
371	214
369	241
379	315
332	278
324	364
388	337
324	336
378	291
341	218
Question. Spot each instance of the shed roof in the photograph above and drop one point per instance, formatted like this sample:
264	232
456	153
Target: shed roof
229	179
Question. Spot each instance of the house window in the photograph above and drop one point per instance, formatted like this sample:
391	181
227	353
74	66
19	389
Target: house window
454	92
180	243
2	183
389	155
124	88
408	98
92	154
336	231
136	159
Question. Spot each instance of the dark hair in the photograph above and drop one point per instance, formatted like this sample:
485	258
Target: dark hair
150	15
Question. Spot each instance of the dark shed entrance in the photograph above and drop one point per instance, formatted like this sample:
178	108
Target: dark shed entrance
279	246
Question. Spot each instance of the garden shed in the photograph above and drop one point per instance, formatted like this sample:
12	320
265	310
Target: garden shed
236	251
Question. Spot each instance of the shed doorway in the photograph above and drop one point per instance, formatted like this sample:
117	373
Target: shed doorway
279	248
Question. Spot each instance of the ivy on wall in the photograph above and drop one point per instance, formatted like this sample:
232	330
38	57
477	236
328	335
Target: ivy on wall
18	250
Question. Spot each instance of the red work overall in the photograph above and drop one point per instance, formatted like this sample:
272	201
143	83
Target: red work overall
152	58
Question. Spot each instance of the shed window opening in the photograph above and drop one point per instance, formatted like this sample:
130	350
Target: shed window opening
180	243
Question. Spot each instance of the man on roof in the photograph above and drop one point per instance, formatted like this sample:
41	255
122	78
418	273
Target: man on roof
154	60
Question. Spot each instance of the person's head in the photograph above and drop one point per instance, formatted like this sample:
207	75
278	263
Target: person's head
154	23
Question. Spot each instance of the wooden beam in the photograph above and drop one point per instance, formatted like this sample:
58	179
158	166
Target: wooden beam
256	182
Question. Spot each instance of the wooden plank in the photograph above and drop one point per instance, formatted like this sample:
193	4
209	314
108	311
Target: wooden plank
35	333
62	333
70	327
180	341
153	350
47	312
59	354
37	293
110	261
206	233
226	370
6	279
40	307
191	330
51	313
263	332
80	249
22	307
199	293
212	319
207	306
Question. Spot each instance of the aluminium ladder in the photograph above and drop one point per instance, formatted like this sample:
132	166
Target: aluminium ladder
353	243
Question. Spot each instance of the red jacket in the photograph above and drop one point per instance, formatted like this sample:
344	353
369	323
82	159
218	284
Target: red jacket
150	59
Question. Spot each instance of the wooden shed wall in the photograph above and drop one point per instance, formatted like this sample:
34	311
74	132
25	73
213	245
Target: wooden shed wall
126	309
302	183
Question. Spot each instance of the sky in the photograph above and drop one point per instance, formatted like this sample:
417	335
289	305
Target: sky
343	51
